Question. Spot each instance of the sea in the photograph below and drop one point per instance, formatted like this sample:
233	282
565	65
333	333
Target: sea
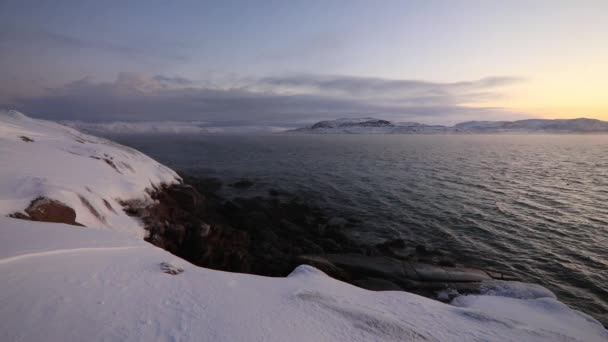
535	206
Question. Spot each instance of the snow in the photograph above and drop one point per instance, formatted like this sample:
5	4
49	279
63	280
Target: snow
66	283
361	126
104	283
68	166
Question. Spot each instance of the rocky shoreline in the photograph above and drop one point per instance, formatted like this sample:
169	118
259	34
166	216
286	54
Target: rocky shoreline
271	235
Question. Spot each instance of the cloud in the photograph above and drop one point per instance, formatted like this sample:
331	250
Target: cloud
272	101
13	38
413	92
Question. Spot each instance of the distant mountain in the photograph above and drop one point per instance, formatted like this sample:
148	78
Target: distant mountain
581	125
378	126
369	126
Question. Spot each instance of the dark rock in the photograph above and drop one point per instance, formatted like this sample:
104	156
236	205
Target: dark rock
330	245
242	184
377	284
186	196
421	249
337	222
274	192
47	210
378	266
310	247
19	215
394	243
292	227
26	139
446	263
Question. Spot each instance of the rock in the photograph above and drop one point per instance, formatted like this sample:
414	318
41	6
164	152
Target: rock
19	215
47	210
394	243
292	227
310	247
433	273
337	222
242	184
368	265
26	139
274	192
205	230
187	197
170	268
266	235
421	249
330	245
176	233
446	263
376	284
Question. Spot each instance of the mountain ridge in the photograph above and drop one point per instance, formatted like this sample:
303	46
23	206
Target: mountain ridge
380	126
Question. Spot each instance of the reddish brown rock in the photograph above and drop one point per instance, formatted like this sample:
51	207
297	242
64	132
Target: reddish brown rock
48	210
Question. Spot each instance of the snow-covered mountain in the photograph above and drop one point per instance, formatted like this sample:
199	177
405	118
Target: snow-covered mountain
101	282
580	125
377	126
369	126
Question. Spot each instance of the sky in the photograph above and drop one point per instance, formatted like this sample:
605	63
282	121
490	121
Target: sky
290	63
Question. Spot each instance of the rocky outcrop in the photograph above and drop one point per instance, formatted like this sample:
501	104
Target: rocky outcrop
272	235
48	210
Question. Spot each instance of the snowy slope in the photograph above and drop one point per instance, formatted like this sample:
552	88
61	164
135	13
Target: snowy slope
104	283
66	165
64	283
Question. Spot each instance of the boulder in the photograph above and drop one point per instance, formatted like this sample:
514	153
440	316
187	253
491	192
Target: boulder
48	210
379	266
376	284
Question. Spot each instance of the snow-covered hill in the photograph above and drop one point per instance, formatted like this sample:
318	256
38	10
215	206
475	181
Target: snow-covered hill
377	126
91	175
369	126
102	282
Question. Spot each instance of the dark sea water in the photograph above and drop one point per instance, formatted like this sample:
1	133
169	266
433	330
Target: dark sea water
533	205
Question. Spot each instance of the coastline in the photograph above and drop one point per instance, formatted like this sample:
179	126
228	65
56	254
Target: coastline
271	235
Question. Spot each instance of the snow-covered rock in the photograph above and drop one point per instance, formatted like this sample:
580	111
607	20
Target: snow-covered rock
91	175
104	283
